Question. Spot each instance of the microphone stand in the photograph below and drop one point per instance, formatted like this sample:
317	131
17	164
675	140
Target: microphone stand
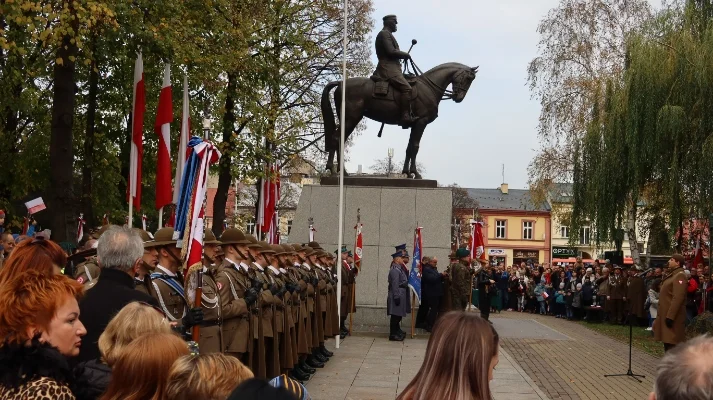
628	371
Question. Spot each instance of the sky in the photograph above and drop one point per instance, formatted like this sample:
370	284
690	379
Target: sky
496	124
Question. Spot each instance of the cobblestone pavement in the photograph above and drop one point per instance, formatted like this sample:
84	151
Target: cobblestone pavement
571	362
372	368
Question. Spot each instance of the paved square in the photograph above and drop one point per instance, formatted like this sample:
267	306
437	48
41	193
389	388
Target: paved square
368	368
525	329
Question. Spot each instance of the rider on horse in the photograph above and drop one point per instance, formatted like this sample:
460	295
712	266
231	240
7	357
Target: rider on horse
389	67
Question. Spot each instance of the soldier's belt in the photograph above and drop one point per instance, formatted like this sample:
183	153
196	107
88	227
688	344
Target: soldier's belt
215	322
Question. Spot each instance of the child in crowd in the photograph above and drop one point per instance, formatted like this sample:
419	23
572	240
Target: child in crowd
576	310
560	302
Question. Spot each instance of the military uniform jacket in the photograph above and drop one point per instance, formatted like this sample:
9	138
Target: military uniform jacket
265	299
322	287
672	305
309	289
460	282
232	282
169	293
389	55
346	295
211	337
87	272
617	287
279	301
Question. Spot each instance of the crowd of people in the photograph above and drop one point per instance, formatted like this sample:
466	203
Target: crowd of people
124	319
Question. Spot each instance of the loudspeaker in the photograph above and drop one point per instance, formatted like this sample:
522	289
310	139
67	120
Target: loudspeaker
615	257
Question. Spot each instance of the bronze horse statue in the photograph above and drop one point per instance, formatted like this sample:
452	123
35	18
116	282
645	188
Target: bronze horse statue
362	101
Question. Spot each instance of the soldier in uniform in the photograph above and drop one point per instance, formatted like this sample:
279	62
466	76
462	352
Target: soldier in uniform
635	295
314	358
617	293
669	325
149	260
330	270
166	284
346	296
281	297
87	272
353	272
266	303
460	281
210	331
324	323
398	301
237	298
389	66
486	289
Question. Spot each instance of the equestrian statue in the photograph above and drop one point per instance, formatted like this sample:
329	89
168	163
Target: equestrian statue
392	97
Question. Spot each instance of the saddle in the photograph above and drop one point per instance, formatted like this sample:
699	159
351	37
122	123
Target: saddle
382	89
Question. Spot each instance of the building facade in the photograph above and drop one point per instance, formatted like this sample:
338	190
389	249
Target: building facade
515	230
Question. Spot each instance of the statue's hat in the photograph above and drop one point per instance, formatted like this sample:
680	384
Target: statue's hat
388	17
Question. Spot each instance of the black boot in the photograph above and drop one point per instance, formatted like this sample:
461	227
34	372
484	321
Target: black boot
396	338
326	352
406	118
299	375
306	368
313	362
319	356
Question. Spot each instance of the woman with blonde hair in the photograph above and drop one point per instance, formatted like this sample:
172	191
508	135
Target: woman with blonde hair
460	358
132	321
207	377
141	371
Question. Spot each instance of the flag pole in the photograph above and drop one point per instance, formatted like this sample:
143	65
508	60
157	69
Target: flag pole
341	162
160	218
131	211
353	296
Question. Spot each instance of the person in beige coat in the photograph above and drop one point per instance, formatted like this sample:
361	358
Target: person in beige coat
669	326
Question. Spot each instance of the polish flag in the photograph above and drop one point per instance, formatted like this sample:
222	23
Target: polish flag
477	244
138	109
105	219
182	145
164	117
36	205
358	246
80	227
699	254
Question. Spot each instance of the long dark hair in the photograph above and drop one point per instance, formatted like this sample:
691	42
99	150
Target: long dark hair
457	362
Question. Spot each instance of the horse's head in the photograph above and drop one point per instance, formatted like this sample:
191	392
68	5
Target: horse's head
461	83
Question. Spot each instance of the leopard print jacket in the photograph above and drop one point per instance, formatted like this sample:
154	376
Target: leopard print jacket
38	389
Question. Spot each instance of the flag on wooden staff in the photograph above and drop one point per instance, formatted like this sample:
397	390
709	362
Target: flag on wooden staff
25	225
358	246
477	243
189	212
162	127
80	227
138	108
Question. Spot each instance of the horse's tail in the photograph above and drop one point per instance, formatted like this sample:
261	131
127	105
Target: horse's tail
330	126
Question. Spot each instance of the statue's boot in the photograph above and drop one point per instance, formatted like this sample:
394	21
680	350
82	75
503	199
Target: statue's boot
406	118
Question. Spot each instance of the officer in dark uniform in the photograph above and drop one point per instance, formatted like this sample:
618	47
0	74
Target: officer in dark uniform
389	66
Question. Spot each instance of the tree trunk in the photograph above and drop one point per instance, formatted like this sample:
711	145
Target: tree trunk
224	175
87	206
631	231
61	152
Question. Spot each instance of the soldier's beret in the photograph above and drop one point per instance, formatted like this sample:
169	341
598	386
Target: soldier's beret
462	252
388	17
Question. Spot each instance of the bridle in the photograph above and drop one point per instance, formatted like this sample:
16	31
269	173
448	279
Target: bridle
457	84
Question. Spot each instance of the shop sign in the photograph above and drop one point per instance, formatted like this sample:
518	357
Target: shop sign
563	252
534	254
496	252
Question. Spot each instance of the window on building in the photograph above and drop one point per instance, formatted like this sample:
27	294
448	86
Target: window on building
500	229
584	235
250	226
527	228
289	226
564	232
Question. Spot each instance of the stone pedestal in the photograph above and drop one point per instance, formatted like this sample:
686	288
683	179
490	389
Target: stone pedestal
389	216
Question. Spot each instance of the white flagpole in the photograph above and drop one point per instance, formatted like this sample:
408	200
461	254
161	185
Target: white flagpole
160	218
341	170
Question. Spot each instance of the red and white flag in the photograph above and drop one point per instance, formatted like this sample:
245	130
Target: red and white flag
105	219
36	205
182	146
138	109
477	244
699	254
358	246
269	198
162	127
143	221
80	227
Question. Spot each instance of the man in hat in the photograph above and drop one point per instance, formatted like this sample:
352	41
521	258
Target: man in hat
398	301
87	271
237	297
314	359
617	295
149	261
353	272
330	269
486	289
635	295
389	66
346	296
669	325
460	280
210	331
167	284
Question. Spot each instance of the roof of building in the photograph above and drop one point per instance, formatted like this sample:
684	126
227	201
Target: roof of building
515	199
561	192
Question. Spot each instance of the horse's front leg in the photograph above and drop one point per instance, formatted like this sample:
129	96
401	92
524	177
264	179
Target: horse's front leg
416	134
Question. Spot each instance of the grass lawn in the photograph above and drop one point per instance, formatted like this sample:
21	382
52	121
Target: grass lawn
643	340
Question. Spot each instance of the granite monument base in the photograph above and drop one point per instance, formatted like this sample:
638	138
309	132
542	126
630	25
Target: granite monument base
389	216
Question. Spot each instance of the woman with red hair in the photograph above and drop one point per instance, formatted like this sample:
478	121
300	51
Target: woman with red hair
33	254
40	328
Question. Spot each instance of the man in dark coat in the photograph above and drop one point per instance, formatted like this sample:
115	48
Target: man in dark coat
635	295
431	291
398	301
119	250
